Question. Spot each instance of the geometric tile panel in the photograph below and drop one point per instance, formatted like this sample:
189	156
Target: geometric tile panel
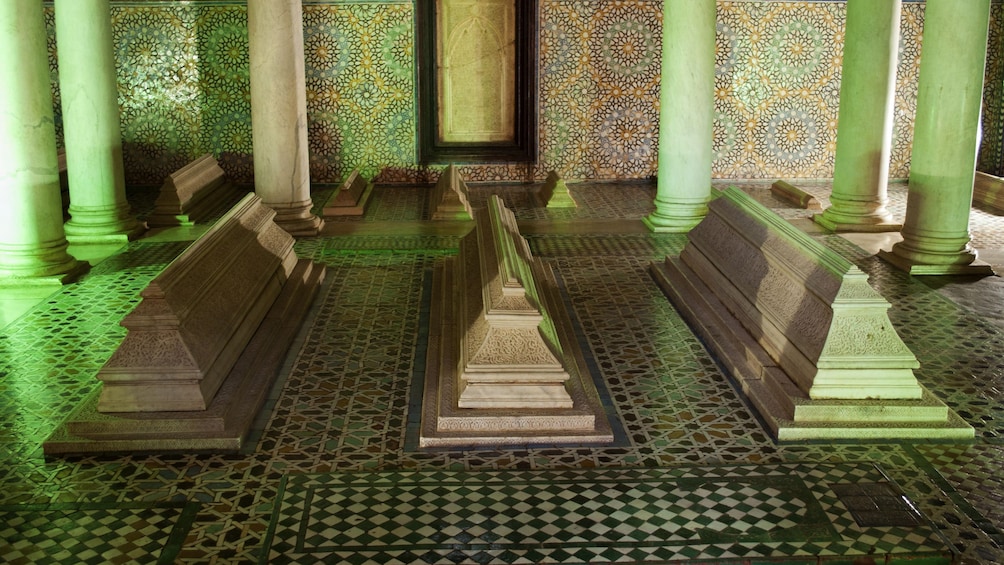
973	475
51	354
575	516
95	533
184	89
345	406
360	85
558	246
991	155
877	504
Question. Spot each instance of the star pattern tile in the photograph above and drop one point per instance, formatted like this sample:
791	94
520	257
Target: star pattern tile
347	406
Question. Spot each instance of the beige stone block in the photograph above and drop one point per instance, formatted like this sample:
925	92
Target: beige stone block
350	198
798	327
196	317
449	199
191	193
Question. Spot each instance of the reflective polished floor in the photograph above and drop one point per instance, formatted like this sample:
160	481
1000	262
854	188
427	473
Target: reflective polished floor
333	473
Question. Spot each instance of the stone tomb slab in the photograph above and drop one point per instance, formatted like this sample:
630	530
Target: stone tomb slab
449	199
350	198
193	194
226	423
203	345
800	330
444	424
503	365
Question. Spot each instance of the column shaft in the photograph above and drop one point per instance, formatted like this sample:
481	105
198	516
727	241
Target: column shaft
279	113
867	102
32	241
686	115
943	161
99	211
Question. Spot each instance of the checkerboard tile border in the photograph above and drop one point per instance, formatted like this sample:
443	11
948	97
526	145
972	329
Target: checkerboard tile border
95	533
570	516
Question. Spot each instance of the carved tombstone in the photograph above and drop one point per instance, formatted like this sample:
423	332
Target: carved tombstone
191	194
800	329
795	195
503	363
988	191
510	355
555	194
449	198
350	198
204	345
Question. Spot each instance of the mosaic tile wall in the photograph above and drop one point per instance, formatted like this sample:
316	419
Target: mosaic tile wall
991	156
184	89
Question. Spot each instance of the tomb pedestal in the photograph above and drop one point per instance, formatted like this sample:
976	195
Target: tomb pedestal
800	330
555	193
350	198
203	345
988	192
449	199
503	365
192	194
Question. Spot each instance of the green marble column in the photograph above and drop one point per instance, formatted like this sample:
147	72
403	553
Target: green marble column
279	113
99	211
864	137
943	162
32	241
686	115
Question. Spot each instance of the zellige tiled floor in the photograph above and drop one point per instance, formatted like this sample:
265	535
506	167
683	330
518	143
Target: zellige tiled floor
334	474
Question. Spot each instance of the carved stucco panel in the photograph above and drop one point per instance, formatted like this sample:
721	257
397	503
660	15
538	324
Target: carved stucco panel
513	346
496	424
866	336
152	349
798	313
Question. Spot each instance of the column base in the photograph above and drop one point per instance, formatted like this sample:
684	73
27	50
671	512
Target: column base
840	225
44	264
113	233
941	254
686	217
78	269
975	268
298	221
857	216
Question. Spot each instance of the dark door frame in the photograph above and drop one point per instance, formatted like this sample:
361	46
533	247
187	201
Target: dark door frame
524	146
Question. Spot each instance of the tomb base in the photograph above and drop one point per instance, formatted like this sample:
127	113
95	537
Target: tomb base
445	424
350	198
226	423
785	409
